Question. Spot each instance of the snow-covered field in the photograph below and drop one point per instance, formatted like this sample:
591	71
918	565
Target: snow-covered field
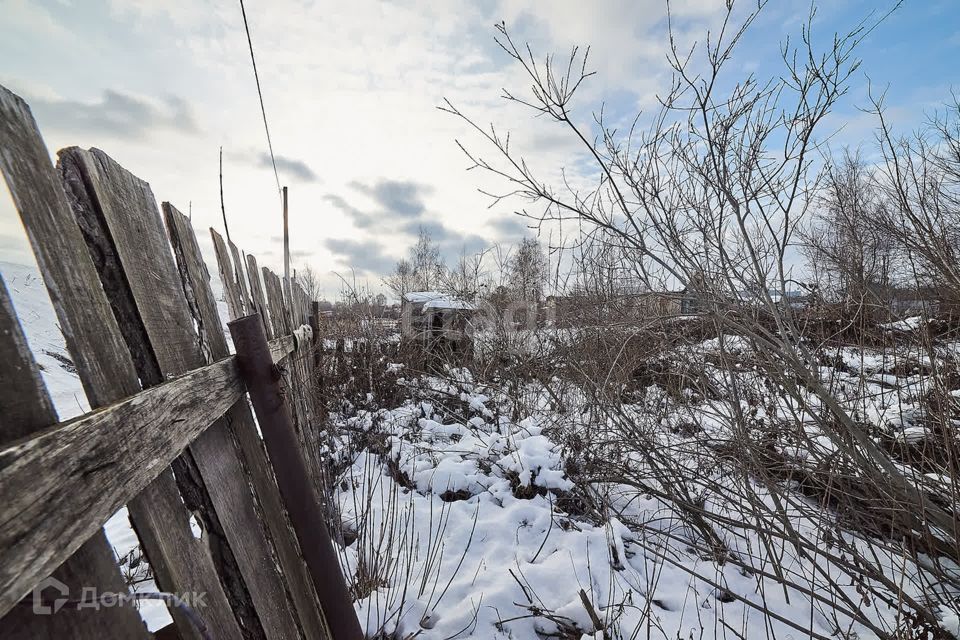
464	524
465	515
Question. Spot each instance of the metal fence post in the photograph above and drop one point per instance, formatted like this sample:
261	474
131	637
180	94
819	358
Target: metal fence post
263	383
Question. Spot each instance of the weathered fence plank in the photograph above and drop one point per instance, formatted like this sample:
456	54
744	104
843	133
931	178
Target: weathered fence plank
212	478
196	283
240	277
281	347
102	460
78	302
25	408
278	318
304	305
295	380
45	211
256	293
231	292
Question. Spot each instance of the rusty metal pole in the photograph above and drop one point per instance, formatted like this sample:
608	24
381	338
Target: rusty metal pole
263	383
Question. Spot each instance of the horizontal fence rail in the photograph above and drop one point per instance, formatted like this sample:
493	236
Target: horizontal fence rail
64	483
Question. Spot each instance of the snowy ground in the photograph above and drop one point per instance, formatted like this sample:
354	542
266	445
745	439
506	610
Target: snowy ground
460	526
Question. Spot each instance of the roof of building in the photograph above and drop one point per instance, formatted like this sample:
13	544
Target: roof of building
436	300
448	303
421	296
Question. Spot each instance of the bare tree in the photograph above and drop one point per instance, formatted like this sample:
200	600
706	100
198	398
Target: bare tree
401	280
308	279
422	270
920	176
852	254
426	262
467	279
528	270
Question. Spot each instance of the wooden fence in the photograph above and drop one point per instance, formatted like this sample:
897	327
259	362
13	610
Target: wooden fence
171	436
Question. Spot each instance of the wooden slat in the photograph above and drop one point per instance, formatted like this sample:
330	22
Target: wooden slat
274	302
212	480
196	282
180	561
281	347
295	381
78	302
25	407
25	404
304	305
64	483
299	314
256	294
231	292
59	248
239	274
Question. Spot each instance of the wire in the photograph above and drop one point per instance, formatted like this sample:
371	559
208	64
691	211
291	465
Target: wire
263	110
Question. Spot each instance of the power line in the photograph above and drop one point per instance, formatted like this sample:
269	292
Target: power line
263	110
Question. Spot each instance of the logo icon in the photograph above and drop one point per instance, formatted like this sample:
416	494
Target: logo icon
40	607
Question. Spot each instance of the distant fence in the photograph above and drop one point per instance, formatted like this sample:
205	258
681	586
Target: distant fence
172	435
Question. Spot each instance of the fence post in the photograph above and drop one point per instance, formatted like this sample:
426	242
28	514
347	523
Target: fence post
273	415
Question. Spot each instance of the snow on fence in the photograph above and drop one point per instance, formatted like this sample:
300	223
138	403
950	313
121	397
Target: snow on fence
172	435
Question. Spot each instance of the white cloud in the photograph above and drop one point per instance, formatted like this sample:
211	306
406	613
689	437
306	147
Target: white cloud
26	17
350	90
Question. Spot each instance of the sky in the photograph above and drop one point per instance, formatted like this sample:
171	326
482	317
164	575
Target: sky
351	91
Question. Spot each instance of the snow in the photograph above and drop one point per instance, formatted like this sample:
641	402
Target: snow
448	303
32	304
468	503
907	324
436	300
418	297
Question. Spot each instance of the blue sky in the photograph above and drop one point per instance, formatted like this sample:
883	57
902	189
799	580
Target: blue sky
351	91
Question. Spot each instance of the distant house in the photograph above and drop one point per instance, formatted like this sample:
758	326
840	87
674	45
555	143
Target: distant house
920	301
692	302
436	320
697	300
587	308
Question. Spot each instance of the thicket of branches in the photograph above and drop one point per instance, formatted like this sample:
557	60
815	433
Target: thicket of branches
713	194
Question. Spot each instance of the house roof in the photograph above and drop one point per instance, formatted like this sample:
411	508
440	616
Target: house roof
417	297
435	300
448	303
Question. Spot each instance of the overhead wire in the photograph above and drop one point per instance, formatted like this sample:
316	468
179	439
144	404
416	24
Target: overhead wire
263	110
